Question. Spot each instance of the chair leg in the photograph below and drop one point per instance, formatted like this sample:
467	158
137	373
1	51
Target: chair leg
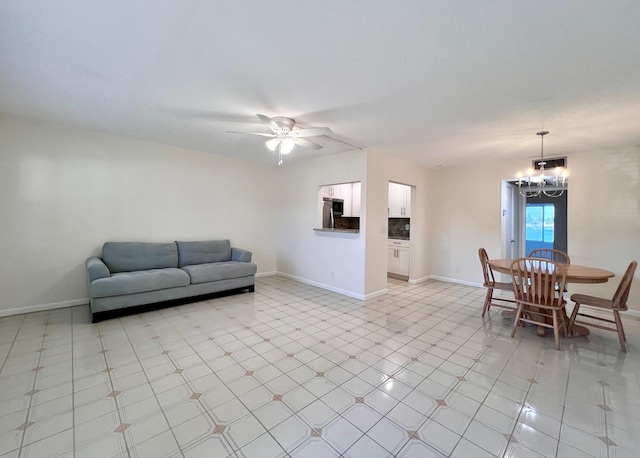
487	301
556	331
517	319
574	313
562	314
621	336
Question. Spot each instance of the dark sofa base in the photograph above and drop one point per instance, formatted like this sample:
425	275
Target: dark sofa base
97	317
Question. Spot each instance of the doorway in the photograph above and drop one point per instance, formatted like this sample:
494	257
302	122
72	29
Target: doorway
535	222
546	223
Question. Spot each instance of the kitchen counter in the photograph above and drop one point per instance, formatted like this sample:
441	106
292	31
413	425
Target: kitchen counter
343	231
399	238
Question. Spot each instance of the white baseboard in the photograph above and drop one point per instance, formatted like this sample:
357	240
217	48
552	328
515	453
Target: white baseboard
267	274
632	313
44	307
635	314
455	280
381	292
417	281
344	292
85	301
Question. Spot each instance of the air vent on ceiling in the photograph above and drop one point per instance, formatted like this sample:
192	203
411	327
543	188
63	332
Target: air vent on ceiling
551	163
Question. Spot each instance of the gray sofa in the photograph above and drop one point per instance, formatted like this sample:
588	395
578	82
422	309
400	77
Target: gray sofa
135	273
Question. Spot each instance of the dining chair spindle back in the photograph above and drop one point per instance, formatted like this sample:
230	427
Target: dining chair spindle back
534	283
551	255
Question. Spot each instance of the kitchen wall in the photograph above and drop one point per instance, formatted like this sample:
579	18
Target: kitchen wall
381	169
352	264
65	191
603	217
335	261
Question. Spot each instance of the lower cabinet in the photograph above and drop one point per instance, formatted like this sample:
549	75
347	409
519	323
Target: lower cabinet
398	253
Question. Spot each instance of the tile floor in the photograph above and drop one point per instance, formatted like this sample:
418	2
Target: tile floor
294	370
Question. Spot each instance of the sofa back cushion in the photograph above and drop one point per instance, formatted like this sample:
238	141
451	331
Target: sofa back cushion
204	252
132	256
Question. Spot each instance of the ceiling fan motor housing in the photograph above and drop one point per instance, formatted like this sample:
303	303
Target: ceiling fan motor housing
283	124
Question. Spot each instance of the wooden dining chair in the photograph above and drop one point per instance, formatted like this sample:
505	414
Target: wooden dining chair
491	284
534	285
551	255
616	304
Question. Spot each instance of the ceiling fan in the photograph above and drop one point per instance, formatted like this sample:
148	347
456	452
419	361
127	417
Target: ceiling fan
284	137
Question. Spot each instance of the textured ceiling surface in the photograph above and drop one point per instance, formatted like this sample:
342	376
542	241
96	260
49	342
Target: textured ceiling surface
434	82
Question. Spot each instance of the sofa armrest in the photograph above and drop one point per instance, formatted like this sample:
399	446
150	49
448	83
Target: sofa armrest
96	269
238	254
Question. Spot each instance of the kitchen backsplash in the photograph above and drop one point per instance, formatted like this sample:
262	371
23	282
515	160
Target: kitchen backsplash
399	228
347	222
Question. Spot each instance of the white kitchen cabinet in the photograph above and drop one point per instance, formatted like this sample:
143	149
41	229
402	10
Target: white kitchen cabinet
399	200
355	198
346	196
398	256
335	191
326	191
349	192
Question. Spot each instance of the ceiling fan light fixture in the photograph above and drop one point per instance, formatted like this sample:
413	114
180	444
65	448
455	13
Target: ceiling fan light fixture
283	138
286	145
273	144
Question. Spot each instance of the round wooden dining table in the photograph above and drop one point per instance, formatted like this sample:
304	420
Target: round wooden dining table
574	274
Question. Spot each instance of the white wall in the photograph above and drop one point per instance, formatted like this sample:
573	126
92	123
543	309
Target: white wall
380	170
603	217
355	265
334	261
66	191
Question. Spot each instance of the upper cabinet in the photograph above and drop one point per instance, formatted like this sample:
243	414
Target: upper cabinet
355	198
399	200
337	191
349	192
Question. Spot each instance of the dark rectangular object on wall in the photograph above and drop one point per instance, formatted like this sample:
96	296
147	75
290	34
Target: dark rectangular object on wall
551	163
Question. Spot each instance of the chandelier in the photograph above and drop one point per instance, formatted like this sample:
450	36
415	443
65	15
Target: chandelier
536	183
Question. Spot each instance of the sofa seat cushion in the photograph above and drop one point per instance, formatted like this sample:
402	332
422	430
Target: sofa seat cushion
215	271
139	282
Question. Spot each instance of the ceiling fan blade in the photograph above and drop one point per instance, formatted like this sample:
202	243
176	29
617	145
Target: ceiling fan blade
312	132
250	133
268	121
308	144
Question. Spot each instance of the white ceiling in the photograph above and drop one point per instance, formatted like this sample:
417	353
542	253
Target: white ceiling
435	82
